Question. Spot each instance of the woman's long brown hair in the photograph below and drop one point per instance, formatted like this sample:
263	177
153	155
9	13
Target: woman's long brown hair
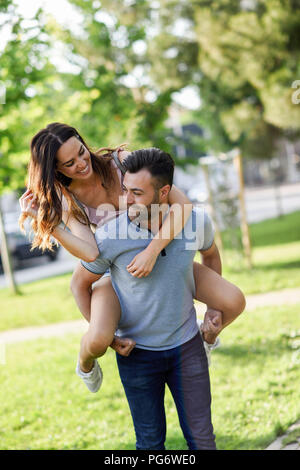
49	185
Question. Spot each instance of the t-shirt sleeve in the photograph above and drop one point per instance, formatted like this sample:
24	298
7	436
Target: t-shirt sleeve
102	263
209	232
205	232
99	266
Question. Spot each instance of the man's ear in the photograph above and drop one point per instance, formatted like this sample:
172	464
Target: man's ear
164	192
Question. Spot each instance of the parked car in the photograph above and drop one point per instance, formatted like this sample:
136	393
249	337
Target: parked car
20	244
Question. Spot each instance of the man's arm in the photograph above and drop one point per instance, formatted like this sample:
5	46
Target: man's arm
213	319
211	258
81	287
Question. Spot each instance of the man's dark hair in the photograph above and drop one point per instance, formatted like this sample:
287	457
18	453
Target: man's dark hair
160	164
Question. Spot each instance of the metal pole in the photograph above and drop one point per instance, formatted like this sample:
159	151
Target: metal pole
219	242
5	256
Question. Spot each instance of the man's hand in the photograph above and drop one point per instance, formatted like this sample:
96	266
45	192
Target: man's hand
123	346
212	325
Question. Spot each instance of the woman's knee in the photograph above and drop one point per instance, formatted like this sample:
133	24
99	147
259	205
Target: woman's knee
235	303
98	344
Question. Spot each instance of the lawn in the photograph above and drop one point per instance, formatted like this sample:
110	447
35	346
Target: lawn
276	256
41	302
275	253
255	378
255	375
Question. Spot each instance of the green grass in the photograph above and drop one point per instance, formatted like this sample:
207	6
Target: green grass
255	375
276	256
41	302
275	267
255	378
282	230
292	437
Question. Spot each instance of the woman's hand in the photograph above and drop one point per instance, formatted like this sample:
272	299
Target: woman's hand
212	325
123	346
143	263
29	204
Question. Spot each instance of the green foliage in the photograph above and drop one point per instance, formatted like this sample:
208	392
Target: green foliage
118	113
243	58
92	97
24	71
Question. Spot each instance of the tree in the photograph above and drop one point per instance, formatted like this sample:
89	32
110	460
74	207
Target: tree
23	66
242	55
115	112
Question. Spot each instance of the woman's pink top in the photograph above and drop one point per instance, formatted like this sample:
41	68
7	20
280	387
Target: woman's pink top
101	215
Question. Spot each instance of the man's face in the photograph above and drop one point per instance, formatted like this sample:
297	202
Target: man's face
140	193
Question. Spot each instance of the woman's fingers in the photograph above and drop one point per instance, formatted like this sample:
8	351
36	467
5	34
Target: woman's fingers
26	194
131	269
131	263
25	198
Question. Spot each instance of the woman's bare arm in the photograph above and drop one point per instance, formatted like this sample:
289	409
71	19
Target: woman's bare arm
79	241
180	211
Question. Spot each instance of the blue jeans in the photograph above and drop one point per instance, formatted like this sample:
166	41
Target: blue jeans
184	369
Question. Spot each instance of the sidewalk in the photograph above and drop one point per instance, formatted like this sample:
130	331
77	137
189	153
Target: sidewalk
286	296
289	441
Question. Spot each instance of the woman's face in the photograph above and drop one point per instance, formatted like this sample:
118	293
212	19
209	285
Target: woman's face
74	160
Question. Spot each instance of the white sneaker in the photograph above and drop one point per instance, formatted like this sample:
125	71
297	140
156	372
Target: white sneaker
92	379
207	346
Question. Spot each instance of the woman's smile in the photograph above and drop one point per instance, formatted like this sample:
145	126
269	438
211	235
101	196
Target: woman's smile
85	170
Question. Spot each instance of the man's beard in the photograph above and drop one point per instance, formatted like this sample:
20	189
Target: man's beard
145	213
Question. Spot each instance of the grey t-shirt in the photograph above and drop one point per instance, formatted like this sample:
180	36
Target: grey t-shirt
158	310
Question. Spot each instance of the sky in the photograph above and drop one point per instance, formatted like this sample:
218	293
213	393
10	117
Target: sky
67	15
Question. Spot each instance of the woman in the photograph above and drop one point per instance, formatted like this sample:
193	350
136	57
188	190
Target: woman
68	182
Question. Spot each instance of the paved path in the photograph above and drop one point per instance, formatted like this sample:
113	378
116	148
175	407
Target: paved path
30	333
286	296
289	441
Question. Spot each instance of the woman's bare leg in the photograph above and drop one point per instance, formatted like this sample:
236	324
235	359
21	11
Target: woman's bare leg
218	294
104	318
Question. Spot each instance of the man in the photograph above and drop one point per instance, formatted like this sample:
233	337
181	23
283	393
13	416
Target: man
157	311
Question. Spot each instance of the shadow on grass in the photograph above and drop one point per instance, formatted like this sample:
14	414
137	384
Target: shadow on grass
235	442
229	442
175	441
263	347
277	266
264	267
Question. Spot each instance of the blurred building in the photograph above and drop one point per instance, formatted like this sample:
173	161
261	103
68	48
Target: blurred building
187	145
283	168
